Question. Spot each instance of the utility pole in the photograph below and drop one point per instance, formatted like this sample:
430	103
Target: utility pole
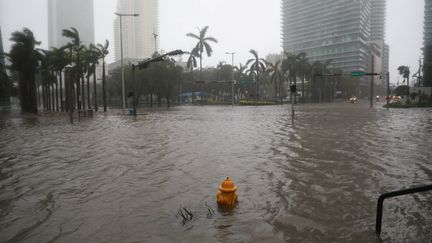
155	38
121	55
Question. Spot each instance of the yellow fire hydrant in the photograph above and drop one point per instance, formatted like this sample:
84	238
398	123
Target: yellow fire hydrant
227	195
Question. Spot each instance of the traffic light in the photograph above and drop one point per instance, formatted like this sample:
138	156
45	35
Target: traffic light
293	88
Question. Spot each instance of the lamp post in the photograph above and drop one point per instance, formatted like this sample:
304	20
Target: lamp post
121	55
232	76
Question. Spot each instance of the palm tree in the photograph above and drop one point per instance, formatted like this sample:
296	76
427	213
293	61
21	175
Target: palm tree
103	52
24	59
59	62
303	66
240	72
202	44
75	48
90	59
258	66
49	79
319	68
404	71
191	63
94	59
292	65
276	76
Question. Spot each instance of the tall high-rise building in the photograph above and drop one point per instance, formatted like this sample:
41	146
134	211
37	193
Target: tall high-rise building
140	34
427	49
64	14
377	18
341	30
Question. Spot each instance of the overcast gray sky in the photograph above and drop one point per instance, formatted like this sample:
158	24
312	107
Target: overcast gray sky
239	25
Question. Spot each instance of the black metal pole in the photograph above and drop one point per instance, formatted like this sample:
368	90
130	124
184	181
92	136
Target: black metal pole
394	194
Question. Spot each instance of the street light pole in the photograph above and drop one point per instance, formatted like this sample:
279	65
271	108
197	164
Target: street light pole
232	76
121	55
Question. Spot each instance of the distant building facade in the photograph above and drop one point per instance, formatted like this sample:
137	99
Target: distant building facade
64	14
427	42
273	57
343	31
140	34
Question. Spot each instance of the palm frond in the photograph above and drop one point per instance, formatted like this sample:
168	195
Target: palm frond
193	36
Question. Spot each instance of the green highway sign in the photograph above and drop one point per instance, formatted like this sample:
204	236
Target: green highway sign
244	82
357	73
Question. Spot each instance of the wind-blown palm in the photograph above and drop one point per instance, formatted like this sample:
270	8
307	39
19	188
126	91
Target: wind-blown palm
93	61
59	61
48	78
404	71
75	48
276	76
303	70
319	68
203	44
191	61
103	52
24	59
257	66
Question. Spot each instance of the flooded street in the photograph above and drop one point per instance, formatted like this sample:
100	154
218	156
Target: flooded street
317	178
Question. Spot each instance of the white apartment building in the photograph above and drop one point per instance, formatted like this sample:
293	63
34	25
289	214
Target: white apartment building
64	14
141	33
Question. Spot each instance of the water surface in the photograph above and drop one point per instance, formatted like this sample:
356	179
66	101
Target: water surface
317	178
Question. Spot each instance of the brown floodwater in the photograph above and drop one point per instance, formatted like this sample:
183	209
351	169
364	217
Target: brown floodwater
119	179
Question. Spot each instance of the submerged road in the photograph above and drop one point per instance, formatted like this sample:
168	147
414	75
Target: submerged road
116	179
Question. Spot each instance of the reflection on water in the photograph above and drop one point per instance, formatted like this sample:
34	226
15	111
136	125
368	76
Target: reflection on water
120	180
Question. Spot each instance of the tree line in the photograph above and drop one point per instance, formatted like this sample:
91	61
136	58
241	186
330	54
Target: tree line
39	72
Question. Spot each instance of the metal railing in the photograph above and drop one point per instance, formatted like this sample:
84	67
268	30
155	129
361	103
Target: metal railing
394	194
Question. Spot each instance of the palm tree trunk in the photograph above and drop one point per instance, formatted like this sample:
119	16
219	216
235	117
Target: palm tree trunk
408	97
275	92
88	92
303	89
53	97
151	100
281	91
43	97
83	92
56	93
48	97
94	90
78	77
103	86
61	92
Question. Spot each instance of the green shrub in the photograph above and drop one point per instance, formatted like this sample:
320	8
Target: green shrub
253	102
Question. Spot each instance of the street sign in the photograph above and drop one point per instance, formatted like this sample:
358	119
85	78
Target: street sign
244	82
357	73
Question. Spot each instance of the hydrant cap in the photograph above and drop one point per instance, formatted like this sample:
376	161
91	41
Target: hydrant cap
227	186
